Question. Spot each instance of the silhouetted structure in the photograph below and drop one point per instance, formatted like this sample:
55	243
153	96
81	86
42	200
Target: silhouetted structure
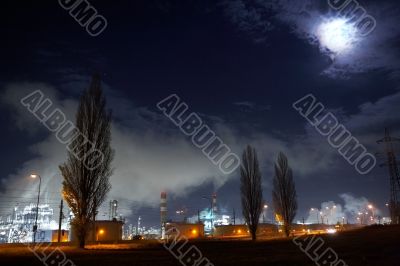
392	164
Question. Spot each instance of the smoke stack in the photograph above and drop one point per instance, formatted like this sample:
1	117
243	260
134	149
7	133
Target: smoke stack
163	208
113	209
214	203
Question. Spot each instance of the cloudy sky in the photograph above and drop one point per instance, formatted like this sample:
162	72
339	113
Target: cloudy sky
240	65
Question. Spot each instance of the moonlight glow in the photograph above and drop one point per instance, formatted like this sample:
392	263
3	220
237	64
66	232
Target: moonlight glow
337	35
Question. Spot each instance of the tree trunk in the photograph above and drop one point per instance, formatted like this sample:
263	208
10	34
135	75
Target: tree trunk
286	229
82	236
253	235
81	242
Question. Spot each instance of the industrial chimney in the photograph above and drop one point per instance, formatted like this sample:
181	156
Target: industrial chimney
163	212
214	203
113	209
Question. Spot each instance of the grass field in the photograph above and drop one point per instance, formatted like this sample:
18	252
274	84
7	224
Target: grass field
368	246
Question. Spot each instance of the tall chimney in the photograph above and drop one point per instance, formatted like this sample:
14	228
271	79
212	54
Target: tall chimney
163	208
163	213
214	203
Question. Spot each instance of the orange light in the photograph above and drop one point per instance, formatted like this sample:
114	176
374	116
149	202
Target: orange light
239	231
101	232
194	231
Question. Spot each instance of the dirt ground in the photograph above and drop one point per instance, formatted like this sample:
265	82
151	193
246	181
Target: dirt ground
379	245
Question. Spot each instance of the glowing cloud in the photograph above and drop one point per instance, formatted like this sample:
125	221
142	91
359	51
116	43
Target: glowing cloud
337	35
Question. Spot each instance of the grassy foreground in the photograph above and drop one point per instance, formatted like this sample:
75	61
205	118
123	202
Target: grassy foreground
368	246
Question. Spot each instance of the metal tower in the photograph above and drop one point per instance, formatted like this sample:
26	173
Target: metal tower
392	164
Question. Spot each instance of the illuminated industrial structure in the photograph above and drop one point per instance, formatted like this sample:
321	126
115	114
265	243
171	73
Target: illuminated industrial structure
242	230
103	231
18	227
181	229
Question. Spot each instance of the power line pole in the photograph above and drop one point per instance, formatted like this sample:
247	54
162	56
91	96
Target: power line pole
394	175
60	221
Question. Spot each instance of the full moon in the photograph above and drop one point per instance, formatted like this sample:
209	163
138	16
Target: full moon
337	35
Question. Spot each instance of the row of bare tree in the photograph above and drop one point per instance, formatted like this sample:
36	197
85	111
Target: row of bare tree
284	196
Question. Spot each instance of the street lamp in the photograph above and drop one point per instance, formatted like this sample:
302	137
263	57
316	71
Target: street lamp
34	176
266	213
371	207
330	212
362	217
317	211
322	217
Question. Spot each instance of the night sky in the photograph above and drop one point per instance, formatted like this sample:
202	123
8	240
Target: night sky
240	65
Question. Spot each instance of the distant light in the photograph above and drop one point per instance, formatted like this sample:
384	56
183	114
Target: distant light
34	176
370	206
265	206
331	231
194	231
101	232
239	231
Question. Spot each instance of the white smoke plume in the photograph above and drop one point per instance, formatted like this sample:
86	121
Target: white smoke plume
332	213
152	154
